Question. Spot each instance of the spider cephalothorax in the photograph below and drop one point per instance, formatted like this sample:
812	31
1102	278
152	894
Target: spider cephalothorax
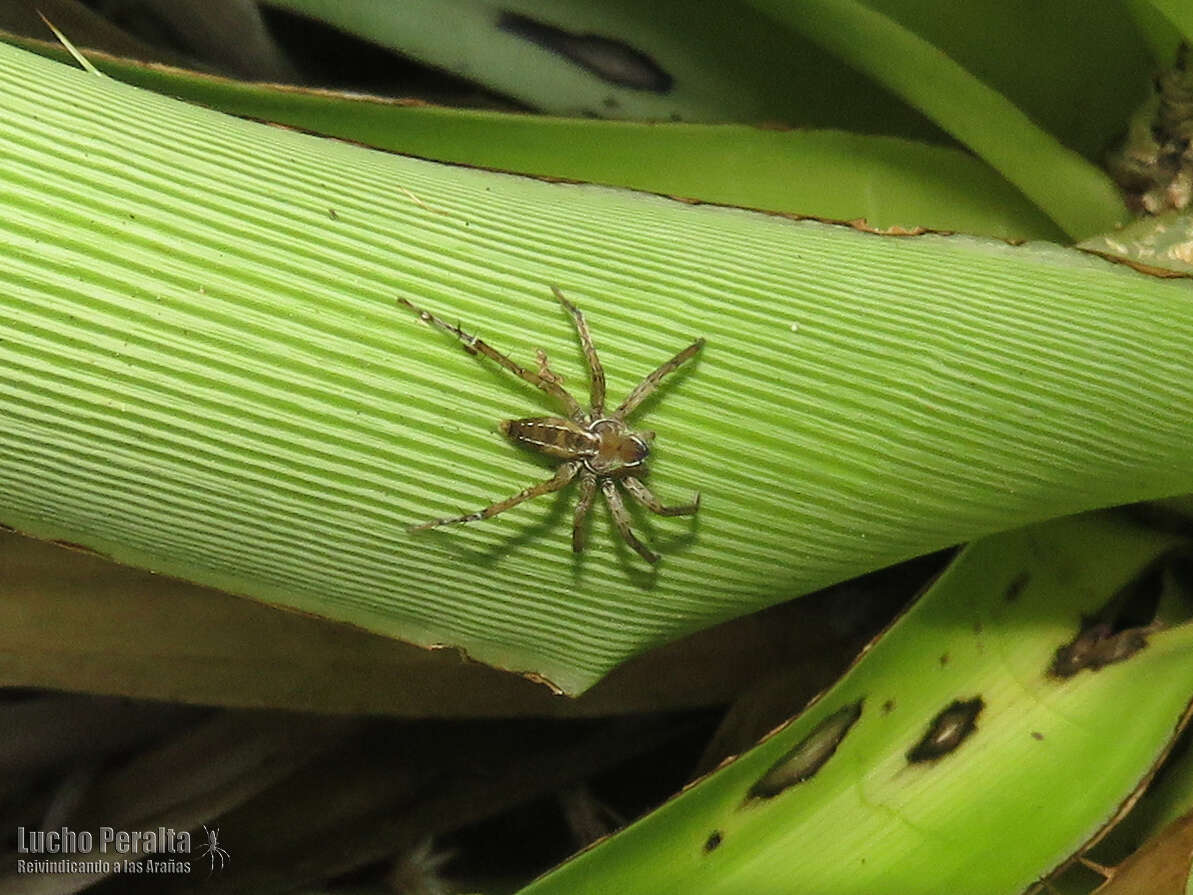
598	447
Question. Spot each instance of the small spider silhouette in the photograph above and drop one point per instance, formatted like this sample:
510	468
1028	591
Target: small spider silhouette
598	447
211	848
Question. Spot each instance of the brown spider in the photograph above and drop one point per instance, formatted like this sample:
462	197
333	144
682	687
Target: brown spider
598	447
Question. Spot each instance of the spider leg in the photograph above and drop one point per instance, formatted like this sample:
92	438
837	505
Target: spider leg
565	474
474	346
648	500
651	382
594	364
545	370
588	482
621	518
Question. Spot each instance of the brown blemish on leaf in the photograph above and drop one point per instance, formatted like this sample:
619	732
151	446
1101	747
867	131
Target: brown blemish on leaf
1121	627
610	60
533	676
948	730
537	678
1036	735
888	706
1094	647
713	841
80	548
859	224
866	227
808	756
1162	273
1015	588
944	659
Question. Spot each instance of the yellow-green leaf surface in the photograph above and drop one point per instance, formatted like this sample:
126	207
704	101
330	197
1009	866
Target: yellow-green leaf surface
1046	763
889	182
1178	14
206	373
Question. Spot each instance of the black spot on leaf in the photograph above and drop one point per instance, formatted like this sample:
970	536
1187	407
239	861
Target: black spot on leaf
610	60
1015	588
1120	628
948	730
808	756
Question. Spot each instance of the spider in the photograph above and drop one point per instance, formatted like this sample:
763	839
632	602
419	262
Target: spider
597	446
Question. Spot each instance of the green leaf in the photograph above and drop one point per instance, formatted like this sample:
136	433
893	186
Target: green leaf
1178	14
886	181
1045	764
673	60
1074	193
206	374
1078	69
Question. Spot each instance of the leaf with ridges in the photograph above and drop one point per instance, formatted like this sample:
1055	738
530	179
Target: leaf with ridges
206	374
888	182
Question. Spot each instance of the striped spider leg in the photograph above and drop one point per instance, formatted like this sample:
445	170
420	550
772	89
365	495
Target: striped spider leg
597	447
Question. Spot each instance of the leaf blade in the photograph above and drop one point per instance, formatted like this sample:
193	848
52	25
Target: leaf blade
206	374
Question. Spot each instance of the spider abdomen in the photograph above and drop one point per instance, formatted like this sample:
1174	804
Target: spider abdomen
556	436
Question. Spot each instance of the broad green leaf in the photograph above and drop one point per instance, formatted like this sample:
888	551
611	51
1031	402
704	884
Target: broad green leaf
1042	767
1078	196
1077	68
887	182
1158	29
671	60
206	373
1178	14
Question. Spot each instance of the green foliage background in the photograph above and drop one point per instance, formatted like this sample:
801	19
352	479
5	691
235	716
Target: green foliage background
206	373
